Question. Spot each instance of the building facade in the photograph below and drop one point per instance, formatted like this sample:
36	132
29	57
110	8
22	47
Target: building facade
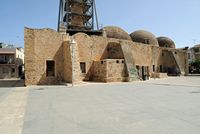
194	56
52	58
11	62
194	53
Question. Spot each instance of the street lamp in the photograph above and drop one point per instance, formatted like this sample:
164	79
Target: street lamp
72	43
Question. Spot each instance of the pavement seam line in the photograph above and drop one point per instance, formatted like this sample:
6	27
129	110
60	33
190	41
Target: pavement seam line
12	111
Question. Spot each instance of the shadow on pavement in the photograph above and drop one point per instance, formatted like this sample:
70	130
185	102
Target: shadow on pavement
194	75
11	83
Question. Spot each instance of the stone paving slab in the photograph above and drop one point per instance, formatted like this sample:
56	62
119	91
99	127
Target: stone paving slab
193	81
4	92
12	110
164	106
152	107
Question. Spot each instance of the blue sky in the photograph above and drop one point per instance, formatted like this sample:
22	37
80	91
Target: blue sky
178	19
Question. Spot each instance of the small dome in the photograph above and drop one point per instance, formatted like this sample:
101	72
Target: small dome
145	37
166	42
116	32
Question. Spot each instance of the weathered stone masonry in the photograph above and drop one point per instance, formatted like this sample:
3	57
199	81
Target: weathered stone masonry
108	58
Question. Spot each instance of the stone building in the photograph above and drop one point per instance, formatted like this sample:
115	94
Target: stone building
194	56
194	53
11	62
52	57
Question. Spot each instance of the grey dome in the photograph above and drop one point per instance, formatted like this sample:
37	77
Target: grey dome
145	37
166	42
116	32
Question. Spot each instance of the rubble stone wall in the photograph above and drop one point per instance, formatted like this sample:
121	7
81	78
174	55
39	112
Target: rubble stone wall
45	44
42	45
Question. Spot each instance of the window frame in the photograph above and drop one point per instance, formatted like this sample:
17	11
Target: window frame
53	68
83	71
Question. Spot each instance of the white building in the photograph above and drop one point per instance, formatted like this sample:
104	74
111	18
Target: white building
11	62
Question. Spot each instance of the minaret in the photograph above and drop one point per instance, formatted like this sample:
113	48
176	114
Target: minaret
77	16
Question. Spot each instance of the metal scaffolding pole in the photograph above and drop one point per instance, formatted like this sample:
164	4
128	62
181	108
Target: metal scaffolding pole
77	15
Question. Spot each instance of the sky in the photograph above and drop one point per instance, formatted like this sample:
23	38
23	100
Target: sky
177	19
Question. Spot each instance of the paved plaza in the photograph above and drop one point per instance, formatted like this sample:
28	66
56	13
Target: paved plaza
161	106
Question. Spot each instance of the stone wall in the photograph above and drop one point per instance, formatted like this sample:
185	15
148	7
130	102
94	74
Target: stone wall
45	44
180	57
90	48
96	48
116	70
114	50
42	45
67	72
99	71
110	70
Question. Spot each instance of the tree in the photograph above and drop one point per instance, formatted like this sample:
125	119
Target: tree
196	66
196	63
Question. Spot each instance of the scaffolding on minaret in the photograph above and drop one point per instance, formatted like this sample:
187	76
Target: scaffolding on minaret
78	16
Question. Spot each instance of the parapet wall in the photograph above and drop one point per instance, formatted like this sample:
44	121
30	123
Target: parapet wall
110	70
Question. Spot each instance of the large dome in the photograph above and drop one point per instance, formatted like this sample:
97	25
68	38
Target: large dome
145	37
116	32
166	42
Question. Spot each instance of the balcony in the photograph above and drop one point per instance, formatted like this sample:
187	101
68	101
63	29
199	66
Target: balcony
10	61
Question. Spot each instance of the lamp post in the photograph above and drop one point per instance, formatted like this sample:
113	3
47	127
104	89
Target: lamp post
72	43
